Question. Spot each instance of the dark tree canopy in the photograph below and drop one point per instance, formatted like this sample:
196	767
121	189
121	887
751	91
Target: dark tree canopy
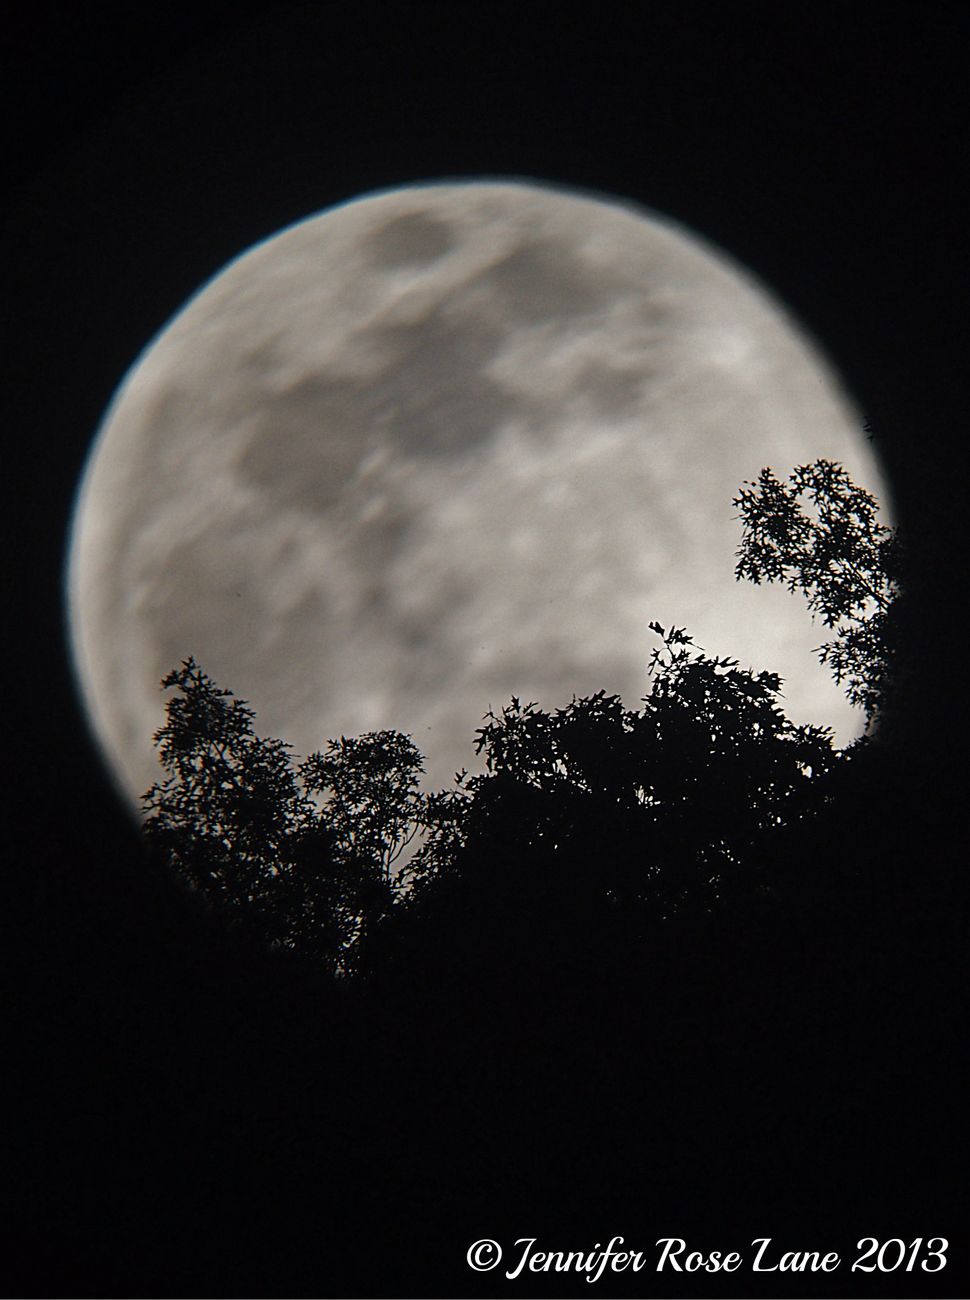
230	811
657	805
668	809
370	800
820	535
301	852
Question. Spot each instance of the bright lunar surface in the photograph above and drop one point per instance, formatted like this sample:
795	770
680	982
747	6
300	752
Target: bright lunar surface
438	446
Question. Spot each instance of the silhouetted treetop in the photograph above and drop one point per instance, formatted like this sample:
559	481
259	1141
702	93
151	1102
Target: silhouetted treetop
370	799
657	804
228	810
670	808
303	853
820	535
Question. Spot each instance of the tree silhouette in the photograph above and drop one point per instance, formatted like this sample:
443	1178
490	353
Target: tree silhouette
303	854
370	810
668	809
660	805
230	810
819	534
369	785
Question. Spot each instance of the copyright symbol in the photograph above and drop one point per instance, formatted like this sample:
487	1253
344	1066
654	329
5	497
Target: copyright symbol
484	1255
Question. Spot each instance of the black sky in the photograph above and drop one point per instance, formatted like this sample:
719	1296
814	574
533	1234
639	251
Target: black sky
145	145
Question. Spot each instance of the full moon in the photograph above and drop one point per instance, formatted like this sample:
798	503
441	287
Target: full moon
438	446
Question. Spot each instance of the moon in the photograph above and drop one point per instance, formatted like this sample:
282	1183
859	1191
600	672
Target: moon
437	446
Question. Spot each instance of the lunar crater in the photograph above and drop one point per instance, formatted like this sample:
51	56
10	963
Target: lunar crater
413	239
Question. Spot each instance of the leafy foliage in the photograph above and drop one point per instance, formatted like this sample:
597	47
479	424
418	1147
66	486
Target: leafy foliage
658	804
231	808
304	854
820	534
671	807
369	786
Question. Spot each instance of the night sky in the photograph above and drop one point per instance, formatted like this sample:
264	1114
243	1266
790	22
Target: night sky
823	147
